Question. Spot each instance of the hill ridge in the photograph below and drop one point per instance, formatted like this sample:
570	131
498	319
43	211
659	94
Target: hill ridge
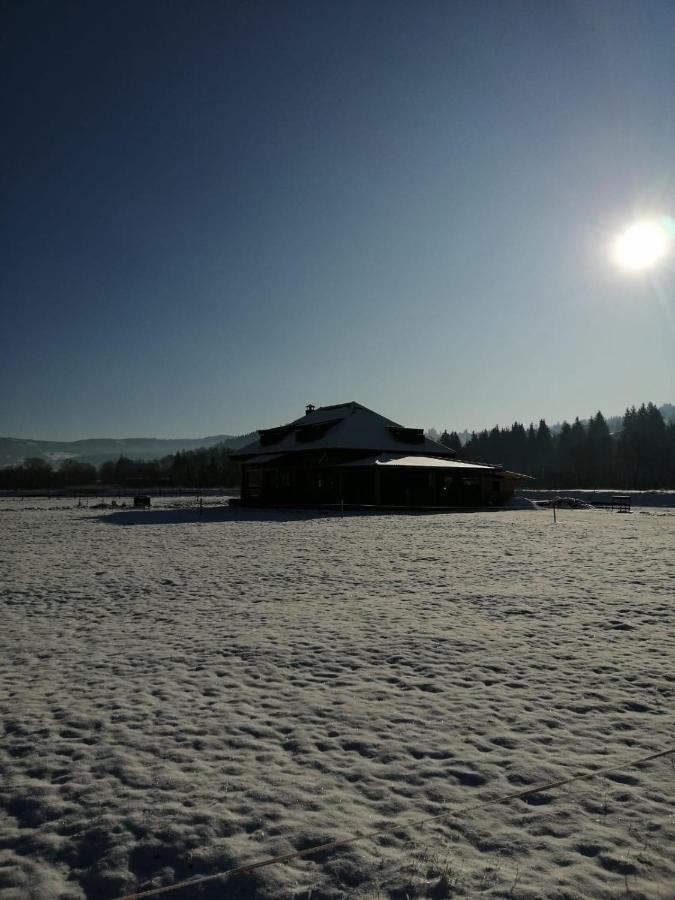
13	451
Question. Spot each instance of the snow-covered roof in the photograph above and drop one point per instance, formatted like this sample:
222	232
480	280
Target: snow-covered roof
346	426
419	462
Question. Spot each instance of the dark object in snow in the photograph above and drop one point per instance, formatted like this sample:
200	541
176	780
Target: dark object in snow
572	503
564	503
141	501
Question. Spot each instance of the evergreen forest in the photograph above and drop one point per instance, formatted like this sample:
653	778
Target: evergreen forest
639	456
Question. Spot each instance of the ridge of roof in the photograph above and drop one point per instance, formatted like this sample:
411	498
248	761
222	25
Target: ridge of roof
350	408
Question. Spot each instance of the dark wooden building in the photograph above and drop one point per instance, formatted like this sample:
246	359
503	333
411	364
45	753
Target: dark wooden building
347	454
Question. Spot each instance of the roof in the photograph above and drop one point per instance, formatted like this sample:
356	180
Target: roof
345	426
419	462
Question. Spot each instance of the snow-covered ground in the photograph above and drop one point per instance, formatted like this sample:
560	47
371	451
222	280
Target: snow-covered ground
180	694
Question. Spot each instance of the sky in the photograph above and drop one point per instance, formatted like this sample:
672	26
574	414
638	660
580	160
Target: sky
214	213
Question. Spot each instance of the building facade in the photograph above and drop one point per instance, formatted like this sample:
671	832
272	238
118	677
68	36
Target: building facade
348	455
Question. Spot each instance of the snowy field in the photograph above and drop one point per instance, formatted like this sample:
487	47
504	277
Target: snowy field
180	694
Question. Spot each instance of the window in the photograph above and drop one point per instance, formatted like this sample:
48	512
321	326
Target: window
274	435
307	433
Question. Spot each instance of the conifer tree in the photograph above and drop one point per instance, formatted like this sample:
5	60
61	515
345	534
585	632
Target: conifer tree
451	441
599	452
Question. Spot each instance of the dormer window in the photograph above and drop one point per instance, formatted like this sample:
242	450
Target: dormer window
306	433
270	436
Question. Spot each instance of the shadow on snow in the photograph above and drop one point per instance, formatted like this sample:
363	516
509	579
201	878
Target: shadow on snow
218	514
234	514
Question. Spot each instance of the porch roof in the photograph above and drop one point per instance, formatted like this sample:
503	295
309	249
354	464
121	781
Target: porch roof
419	462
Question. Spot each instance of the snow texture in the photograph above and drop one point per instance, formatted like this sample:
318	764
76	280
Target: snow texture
180	694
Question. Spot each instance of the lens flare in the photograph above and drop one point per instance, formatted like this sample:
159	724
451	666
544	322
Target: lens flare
642	245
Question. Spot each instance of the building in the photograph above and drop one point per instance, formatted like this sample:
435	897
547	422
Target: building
349	455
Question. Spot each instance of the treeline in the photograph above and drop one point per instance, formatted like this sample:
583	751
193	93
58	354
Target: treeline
640	456
206	467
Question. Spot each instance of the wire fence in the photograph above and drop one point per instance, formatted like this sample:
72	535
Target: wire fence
390	828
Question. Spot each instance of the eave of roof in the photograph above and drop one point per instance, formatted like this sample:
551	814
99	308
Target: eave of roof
263	459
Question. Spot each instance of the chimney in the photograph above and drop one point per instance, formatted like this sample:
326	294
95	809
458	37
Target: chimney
309	408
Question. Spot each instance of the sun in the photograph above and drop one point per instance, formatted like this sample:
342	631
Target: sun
641	245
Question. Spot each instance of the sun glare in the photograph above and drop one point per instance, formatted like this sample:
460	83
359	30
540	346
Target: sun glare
641	245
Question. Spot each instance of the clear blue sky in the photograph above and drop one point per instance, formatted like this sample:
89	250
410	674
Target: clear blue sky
215	212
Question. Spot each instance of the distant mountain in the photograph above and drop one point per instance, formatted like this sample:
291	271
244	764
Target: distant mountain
99	450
